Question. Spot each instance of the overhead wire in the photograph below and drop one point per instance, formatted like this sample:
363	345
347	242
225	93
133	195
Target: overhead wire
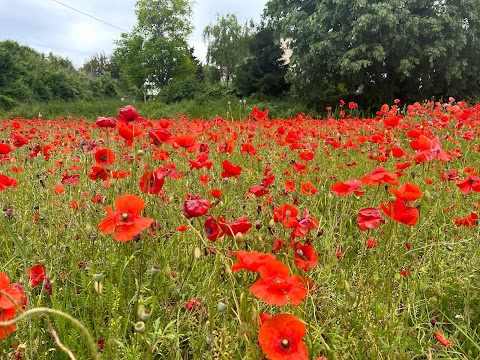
91	16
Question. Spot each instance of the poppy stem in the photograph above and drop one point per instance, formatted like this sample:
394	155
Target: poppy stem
44	310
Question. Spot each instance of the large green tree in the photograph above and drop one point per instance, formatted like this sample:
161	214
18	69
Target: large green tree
156	52
264	71
227	44
381	50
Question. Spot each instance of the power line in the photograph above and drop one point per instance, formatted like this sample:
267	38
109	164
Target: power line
93	17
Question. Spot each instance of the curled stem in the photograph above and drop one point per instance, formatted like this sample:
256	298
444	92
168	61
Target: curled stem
44	310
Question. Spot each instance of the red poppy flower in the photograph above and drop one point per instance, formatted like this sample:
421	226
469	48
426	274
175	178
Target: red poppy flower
471	183
469	220
105	157
307	188
211	229
130	131
441	339
19	141
258	190
99	173
97	199
400	212
280	338
276	286
5	182
379	176
160	136
306	257
407	192
200	161
182	228
371	243
216	193
70	178
397	152
5	149
369	218
120	174
125	221
105	122
430	149
286	214
348	187
259	115
250	260
242	225
290	185
193	304
36	275
230	170
303	225
185	141
151	182
248	149
127	114
195	206
8	309
59	189
307	155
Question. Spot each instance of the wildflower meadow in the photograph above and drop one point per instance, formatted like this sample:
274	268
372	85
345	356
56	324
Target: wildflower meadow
341	237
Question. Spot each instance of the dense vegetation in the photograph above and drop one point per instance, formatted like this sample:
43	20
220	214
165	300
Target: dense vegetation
342	238
368	52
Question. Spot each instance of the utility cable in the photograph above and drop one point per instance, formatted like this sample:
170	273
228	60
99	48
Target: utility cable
93	17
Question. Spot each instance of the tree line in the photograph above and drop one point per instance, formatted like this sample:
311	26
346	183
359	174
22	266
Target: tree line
367	51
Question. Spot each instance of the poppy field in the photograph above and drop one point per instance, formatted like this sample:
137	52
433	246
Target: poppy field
257	238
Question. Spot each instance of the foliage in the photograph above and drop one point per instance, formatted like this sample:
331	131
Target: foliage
379	51
264	71
156	51
7	103
28	76
227	44
174	293
180	90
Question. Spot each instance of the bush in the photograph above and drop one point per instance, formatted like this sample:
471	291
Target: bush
180	90
7	103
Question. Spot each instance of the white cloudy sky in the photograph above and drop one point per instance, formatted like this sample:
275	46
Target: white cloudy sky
48	26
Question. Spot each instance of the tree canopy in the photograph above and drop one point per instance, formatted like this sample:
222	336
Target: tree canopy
26	74
227	44
377	51
156	50
264	71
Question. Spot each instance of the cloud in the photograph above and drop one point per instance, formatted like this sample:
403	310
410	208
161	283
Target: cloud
48	26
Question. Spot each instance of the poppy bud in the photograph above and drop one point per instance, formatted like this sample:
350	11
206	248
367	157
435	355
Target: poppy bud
145	315
239	238
221	306
140	327
154	270
98	277
258	224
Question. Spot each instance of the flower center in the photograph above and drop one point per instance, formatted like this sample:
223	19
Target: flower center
278	281
285	343
125	216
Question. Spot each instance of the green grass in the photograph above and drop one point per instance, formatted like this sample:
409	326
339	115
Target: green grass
362	307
